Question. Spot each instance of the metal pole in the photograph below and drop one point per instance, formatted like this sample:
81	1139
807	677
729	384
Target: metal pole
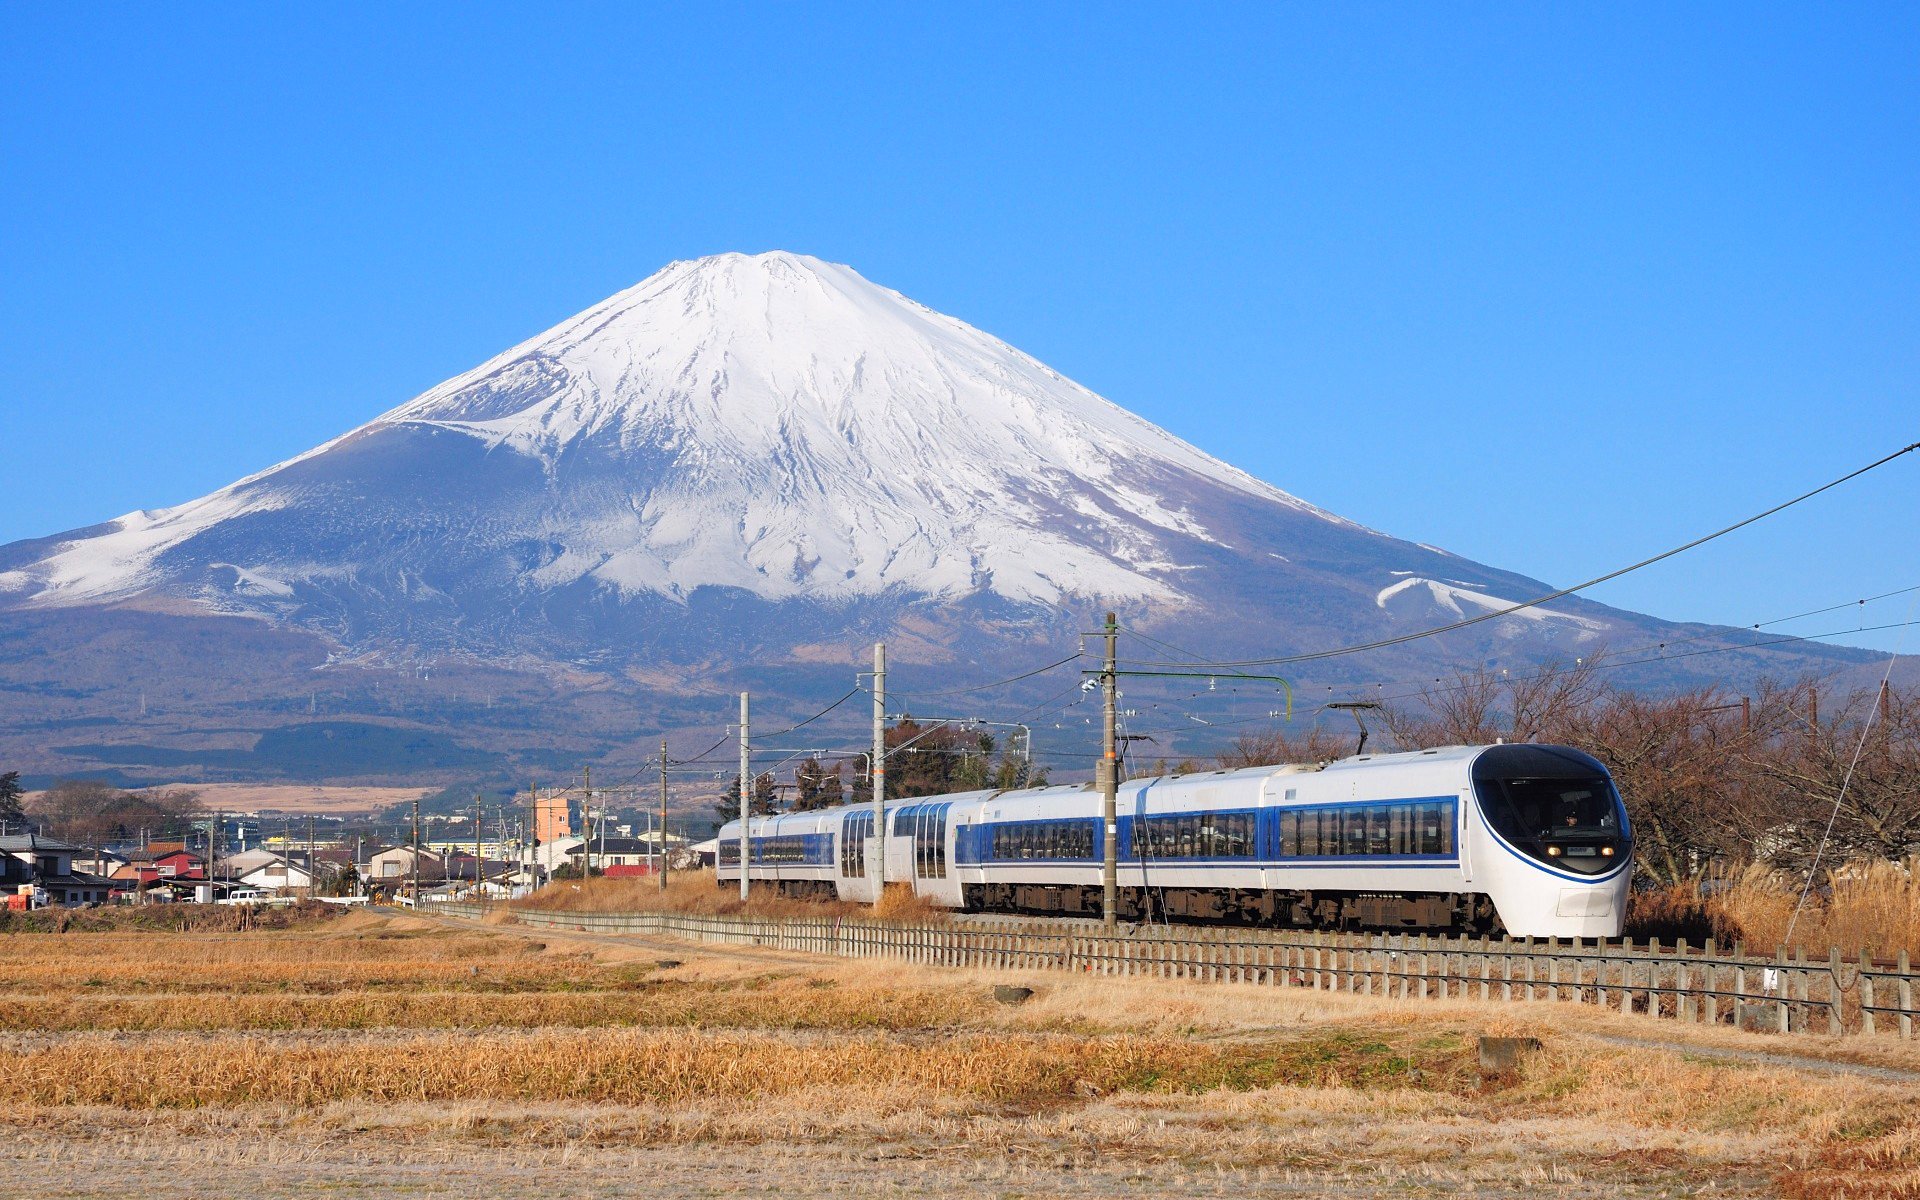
586	824
1110	779
877	841
663	814
746	796
531	843
479	824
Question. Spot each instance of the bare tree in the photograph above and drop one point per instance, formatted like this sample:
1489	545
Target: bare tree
84	810
1675	760
1275	746
1809	740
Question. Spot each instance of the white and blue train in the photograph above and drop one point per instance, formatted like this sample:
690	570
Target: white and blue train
1527	839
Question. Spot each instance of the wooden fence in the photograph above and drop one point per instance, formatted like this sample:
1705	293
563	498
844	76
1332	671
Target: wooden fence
1710	984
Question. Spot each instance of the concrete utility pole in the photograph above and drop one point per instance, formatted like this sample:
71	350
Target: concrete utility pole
586	824
746	796
313	880
415	863
532	839
877	841
1110	778
663	814
479	824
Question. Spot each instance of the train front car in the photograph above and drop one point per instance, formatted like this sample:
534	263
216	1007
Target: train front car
1551	847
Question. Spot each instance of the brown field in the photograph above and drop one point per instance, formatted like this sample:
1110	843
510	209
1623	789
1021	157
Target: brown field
302	798
410	1056
695	892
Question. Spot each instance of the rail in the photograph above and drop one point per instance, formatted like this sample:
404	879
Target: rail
1704	984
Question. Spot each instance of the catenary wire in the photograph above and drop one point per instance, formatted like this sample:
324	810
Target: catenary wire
1549	597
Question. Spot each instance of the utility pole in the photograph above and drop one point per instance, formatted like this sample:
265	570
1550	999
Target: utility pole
312	880
746	797
877	840
415	863
1110	778
479	824
1107	770
532	839
586	824
663	815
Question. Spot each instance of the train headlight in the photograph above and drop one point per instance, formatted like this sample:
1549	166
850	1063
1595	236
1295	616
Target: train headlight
1606	851
1554	852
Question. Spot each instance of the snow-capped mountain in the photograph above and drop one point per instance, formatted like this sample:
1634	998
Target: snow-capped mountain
748	464
773	424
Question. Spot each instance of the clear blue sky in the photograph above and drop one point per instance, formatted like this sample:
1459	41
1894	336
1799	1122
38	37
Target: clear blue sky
1550	287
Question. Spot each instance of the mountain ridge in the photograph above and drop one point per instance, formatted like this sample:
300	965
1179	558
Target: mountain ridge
755	460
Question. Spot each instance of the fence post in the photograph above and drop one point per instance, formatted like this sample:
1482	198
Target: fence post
1835	1018
1802	988
1906	997
1780	989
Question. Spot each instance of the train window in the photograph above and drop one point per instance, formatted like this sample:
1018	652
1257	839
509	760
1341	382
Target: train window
1400	822
1182	835
1353	830
1430	829
855	829
929	829
1379	830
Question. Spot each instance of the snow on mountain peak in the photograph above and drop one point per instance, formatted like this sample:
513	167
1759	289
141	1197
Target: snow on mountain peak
769	422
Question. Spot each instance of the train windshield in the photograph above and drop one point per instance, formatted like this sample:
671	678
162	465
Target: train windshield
1553	804
1555	807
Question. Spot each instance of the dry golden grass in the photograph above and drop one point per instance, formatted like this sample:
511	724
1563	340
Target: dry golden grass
788	1003
696	893
385	1036
624	1067
1872	907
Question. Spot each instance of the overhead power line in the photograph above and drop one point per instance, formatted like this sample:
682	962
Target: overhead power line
1494	614
983	687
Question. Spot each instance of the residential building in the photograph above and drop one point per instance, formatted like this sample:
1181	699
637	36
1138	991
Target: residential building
49	873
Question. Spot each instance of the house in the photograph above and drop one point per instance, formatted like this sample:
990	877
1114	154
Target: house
619	856
49	875
550	856
271	872
396	866
173	864
99	861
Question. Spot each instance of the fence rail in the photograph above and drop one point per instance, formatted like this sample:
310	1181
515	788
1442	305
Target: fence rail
1709	984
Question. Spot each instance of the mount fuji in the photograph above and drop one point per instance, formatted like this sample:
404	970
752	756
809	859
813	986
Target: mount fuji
742	469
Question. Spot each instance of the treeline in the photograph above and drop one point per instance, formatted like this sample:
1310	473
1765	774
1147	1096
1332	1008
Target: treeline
89	812
1711	778
922	760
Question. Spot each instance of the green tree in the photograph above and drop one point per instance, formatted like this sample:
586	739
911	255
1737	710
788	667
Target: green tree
11	812
728	806
817	787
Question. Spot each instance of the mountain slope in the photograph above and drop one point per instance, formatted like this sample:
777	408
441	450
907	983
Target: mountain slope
752	466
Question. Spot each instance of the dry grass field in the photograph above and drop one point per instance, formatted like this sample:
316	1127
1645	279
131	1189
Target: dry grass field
399	1055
